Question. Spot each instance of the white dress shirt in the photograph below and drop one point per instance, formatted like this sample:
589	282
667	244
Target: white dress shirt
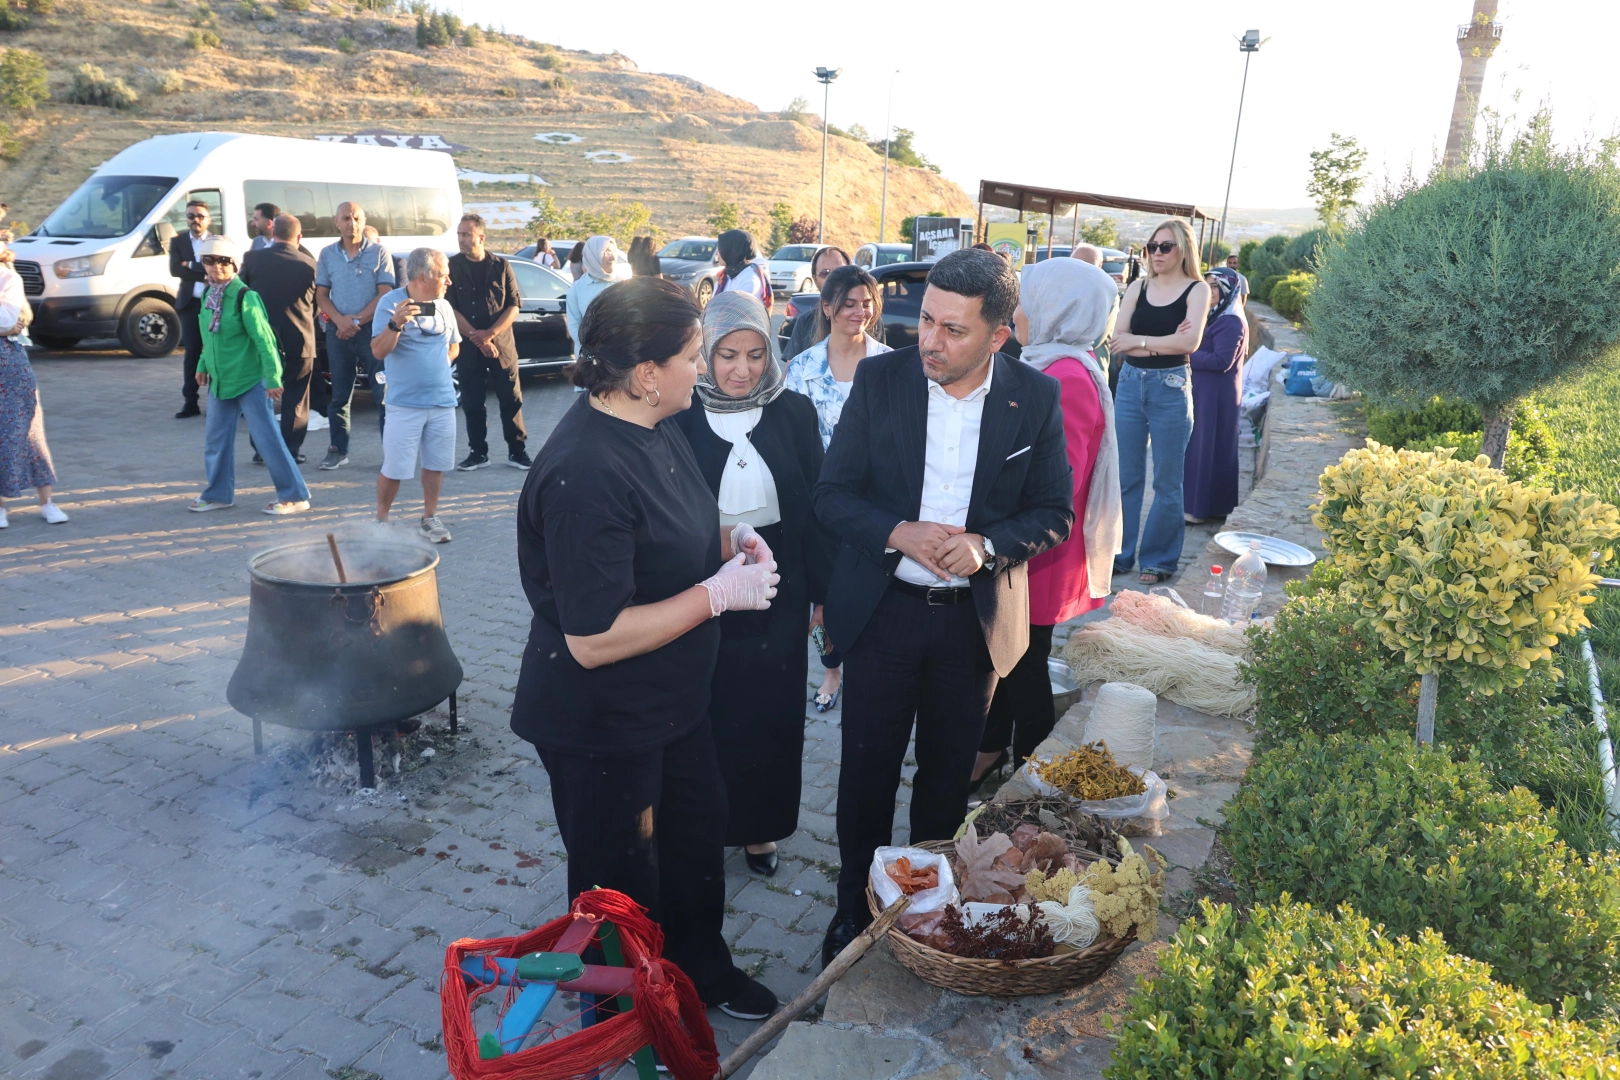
952	453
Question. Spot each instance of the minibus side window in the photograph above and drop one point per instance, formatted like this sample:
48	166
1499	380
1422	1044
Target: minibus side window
395	211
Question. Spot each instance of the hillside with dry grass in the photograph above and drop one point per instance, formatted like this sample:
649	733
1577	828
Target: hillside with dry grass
669	142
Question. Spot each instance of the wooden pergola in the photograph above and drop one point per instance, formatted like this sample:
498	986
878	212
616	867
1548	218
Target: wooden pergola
1055	203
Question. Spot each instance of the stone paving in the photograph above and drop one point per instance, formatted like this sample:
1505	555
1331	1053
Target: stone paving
171	905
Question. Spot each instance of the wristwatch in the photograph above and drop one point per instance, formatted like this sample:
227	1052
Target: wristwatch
395	329
989	548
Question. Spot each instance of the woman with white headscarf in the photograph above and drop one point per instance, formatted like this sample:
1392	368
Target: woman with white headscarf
604	264
1063	309
757	446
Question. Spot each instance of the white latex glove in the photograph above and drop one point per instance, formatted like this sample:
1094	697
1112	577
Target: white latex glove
742	586
745	541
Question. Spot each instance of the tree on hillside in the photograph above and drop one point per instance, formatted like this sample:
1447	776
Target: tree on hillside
795	110
901	152
22	80
781	224
806	230
1336	178
723	215
1103	232
1485	282
908	225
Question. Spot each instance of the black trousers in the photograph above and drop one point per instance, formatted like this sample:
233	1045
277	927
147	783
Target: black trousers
1021	712
296	373
191	339
650	825
478	373
913	660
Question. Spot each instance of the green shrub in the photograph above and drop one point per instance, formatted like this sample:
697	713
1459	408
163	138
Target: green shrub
1245	253
1302	250
165	81
1267	263
1411	839
1276	244
91	86
294	5
22	80
346	45
1290	295
12	19
472	37
1400	427
1262	291
1296	992
202	39
40	7
1532	449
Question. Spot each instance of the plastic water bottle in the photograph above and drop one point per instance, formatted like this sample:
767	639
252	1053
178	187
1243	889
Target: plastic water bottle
1212	592
1245	583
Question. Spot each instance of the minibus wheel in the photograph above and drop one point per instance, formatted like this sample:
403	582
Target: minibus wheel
149	328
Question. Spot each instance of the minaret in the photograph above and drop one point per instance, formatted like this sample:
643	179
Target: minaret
1476	41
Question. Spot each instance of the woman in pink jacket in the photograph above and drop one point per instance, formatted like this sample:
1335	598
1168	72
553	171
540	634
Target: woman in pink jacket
1063	311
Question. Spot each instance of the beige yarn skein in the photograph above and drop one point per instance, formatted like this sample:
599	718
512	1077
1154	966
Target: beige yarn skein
1123	716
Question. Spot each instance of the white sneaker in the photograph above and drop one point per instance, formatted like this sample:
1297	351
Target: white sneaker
433	530
52	513
202	506
282	509
4	524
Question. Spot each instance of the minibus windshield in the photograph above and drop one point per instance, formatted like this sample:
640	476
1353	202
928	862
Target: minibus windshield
107	206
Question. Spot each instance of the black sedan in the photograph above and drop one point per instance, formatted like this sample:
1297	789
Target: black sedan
902	286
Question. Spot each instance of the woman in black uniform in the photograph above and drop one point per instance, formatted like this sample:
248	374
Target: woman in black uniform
760	453
619	558
1154	398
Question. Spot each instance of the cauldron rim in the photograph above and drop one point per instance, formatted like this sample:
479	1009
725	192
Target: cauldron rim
256	559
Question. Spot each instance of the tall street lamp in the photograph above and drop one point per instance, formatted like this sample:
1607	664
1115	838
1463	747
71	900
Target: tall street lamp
1248	45
826	77
888	133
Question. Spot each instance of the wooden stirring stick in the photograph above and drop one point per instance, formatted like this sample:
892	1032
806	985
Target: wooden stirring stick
331	542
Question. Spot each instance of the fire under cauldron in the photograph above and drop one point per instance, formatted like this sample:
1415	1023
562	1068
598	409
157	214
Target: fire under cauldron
325	654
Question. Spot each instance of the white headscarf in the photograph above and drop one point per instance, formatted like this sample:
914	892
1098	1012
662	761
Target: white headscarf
591	260
1067	303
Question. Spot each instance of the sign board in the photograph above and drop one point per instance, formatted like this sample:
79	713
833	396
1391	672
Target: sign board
935	237
380	137
1008	238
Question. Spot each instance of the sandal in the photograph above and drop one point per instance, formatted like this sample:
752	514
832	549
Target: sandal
1153	577
824	702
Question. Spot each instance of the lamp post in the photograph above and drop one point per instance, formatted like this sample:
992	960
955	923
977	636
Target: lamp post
888	133
1248	45
825	76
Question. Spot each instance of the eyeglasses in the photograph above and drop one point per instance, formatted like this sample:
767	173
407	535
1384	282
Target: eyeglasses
1163	247
197	217
218	260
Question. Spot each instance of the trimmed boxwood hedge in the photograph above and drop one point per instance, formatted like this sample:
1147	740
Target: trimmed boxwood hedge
1295	992
1412	839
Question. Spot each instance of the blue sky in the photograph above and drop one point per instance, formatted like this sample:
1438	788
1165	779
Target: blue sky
1134	98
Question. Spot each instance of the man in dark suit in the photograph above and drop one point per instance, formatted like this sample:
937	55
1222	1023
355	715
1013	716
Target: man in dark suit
945	476
186	264
283	275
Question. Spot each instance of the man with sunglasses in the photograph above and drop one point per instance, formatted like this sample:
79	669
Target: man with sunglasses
803	333
185	263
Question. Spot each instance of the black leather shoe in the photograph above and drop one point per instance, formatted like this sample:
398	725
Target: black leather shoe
844	929
995	767
763	865
752	1001
188	412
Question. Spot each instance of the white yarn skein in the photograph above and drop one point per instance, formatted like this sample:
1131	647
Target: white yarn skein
1123	716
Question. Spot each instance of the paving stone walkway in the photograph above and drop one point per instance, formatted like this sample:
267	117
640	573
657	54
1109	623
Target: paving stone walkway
171	905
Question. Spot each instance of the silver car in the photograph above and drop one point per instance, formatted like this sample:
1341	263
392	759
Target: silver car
690	261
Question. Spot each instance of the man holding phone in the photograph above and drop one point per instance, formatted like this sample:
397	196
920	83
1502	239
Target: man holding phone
415	331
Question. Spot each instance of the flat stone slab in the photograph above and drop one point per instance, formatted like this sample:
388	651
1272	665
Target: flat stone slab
827	1052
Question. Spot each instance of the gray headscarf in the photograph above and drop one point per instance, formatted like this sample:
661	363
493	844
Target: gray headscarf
1067	303
727	313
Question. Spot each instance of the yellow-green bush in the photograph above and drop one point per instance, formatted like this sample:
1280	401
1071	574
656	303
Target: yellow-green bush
1457	567
1289	295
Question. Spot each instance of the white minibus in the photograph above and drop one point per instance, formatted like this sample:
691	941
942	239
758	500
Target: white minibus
98	265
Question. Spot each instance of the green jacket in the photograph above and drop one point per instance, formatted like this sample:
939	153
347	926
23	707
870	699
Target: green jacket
243	351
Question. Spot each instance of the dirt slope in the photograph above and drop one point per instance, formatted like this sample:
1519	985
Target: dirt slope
665	140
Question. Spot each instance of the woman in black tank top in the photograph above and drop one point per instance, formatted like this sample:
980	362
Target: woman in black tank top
1163	319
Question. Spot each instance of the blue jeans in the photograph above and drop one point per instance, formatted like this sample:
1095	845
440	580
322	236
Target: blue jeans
1154	404
345	358
219	453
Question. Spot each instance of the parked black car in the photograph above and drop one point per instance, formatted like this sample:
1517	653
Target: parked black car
903	285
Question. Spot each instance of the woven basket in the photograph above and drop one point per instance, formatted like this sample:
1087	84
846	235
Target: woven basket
999	978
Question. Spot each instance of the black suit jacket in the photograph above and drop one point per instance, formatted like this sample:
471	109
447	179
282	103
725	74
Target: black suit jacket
181	250
872	479
789	441
284	278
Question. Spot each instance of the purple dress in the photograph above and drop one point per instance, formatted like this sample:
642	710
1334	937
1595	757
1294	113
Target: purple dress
25	460
1211	482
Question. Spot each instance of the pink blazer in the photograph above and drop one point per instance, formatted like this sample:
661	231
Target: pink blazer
1058	583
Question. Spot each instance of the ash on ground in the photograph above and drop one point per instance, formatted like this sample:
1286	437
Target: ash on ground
331	759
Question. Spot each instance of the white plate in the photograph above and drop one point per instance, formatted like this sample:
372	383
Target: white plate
1275	552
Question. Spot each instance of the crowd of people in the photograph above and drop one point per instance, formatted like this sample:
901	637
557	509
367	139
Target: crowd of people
925	515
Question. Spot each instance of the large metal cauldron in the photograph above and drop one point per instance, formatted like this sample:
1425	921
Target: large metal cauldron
326	656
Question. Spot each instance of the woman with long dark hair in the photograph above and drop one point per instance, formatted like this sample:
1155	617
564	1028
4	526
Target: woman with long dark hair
851	308
758	448
618	554
1154	398
738	271
544	255
643	259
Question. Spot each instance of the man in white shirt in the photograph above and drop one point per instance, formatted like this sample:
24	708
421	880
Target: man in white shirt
946	474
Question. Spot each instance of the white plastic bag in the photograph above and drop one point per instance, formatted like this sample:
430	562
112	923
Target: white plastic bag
922	902
1132	815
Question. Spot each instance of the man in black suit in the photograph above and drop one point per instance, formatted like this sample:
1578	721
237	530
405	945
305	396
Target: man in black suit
283	275
945	476
186	264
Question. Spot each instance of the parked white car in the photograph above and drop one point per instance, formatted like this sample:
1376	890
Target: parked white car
789	268
872	256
